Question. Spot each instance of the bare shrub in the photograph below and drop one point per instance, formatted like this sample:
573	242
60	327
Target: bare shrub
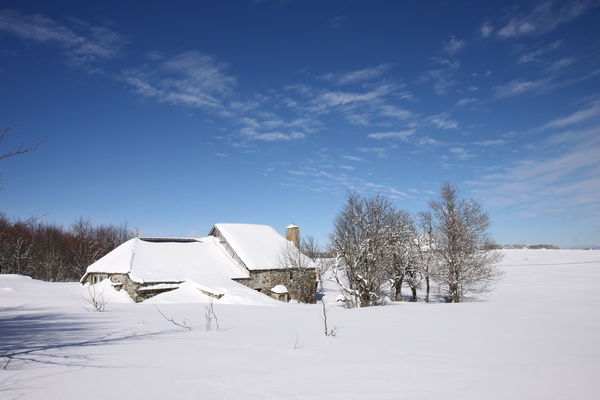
96	300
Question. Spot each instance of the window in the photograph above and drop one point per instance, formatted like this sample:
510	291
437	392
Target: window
96	279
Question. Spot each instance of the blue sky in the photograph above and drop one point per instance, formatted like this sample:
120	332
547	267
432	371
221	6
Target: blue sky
173	117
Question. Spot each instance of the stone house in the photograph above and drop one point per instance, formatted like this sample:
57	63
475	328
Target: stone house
217	265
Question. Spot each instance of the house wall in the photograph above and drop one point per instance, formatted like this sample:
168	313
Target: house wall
301	283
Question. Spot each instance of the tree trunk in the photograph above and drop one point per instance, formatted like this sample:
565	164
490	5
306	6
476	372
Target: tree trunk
398	290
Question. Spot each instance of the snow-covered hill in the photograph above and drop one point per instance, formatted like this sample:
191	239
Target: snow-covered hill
535	336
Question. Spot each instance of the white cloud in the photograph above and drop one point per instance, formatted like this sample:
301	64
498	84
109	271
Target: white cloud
396	193
443	121
489	143
402	135
534	55
396	112
250	133
466	101
380	152
278	136
191	79
486	29
328	99
563	182
427	141
361	75
544	17
353	158
461	153
338	22
453	45
442	77
518	86
81	42
560	64
583	115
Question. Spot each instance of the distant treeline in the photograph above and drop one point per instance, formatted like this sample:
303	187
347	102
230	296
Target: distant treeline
527	246
53	253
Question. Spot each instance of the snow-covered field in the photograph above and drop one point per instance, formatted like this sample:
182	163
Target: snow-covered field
537	336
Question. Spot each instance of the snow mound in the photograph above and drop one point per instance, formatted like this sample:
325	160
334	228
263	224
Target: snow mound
279	289
232	293
105	290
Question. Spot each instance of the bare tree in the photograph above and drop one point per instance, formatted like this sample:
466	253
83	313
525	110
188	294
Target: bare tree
361	237
49	252
426	249
404	254
301	270
310	247
19	148
464	263
50	257
16	246
85	245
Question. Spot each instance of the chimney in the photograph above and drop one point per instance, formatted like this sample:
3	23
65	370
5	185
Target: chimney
292	233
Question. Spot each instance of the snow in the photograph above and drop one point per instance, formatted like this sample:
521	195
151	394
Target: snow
280	289
535	336
117	261
203	261
259	246
148	261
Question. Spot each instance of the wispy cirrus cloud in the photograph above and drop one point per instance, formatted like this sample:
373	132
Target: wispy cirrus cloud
400	135
442	75
535	54
396	112
356	76
379	152
191	79
461	153
466	101
486	29
352	158
81	42
274	136
267	126
589	112
543	17
428	141
453	45
520	86
369	103
443	121
490	143
337	22
328	99
562	176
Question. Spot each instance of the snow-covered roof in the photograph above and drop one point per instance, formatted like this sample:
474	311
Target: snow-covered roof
258	246
200	260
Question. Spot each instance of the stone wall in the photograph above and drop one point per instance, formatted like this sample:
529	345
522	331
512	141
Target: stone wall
120	281
300	282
